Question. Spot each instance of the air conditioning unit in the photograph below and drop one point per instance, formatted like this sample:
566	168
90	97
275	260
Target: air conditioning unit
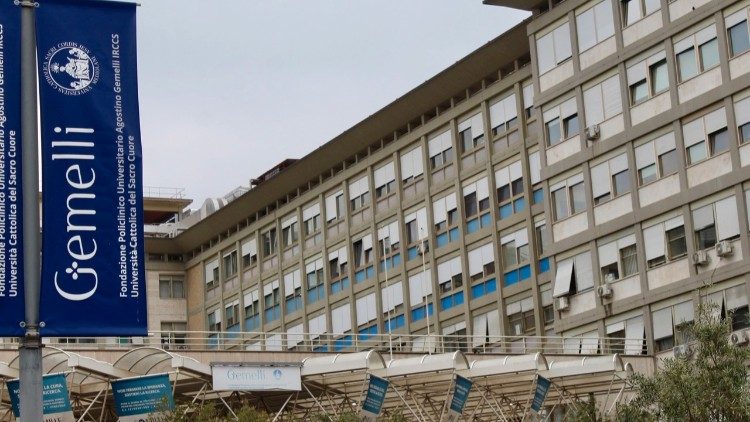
700	258
738	338
592	132
605	291
683	351
563	303
723	248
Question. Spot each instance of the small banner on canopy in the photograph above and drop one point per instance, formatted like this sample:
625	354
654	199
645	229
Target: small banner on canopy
374	399
55	399
92	267
461	390
11	226
540	394
142	398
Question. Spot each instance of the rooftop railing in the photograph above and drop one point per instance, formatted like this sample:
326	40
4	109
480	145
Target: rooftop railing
163	192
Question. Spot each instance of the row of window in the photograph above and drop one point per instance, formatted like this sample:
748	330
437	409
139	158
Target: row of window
664	242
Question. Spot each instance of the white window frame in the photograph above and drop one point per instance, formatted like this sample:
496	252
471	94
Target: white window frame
651	153
555	45
597	21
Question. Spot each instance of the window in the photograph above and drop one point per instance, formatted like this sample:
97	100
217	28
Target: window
548	309
171	287
737	33
481	262
416	226
528	99
311	219
671	325
521	317
317	326
509	181
249	252
173	333
535	173
635	10
289	231
486	329
595	25
716	222
269	242
731	303
211	274
574	275
742	116
450	277
540	228
338	269
315	282
389	245
441	149
618	259
504	114
471	132
232	314
610	179
515	248
553	48
393	301
359	193
445	214
561	122
648	78
411	165
252	310
568	197
366	310
362	251
656	159
602	101
628	337
214	320
665	242
335	206
293	291
420	294
477	202
341	319
271	300
697	53
706	137
385	180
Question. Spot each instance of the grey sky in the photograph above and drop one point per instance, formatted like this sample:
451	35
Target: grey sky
229	88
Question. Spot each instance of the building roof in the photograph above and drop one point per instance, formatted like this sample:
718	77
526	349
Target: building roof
529	5
481	63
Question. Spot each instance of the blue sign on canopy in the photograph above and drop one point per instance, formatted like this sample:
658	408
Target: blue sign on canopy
55	397
375	395
460	394
542	387
142	396
93	267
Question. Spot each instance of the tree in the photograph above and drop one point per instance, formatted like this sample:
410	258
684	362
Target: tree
710	385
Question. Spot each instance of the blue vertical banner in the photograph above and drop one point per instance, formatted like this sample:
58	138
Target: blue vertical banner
374	398
540	394
460	395
55	398
11	222
92	263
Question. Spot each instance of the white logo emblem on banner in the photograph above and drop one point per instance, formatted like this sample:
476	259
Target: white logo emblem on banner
71	69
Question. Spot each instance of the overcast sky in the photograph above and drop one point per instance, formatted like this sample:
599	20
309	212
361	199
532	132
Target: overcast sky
229	88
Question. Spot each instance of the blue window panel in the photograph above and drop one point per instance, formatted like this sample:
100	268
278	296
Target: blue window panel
396	260
453	234
213	341
538	196
510	278
412	253
370	271
315	294
252	323
506	211
368	332
293	304
490	286
524	272
452	300
519	204
394	323
442	239
418	313
543	265
477	291
485	220
472	225
336	287
345	283
360	276
234	328
323	348
272	314
342	343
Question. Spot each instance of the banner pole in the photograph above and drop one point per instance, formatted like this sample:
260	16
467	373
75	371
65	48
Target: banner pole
30	350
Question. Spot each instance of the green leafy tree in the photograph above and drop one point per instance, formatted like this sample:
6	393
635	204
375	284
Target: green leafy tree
711	385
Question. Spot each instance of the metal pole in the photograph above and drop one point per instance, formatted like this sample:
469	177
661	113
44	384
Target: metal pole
30	350
423	250
388	305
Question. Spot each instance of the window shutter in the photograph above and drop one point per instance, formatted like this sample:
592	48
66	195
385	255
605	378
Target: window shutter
594	105
728	224
535	167
600	180
653	237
